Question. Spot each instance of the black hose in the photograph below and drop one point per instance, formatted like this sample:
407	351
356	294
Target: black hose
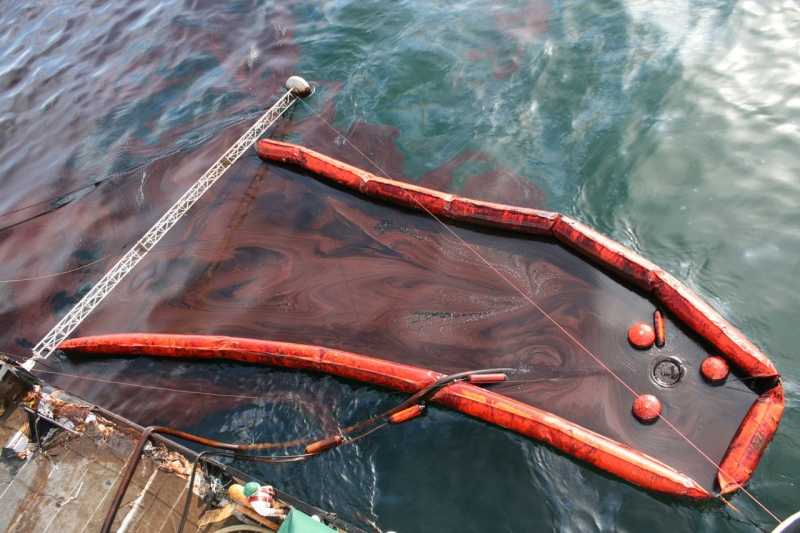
419	397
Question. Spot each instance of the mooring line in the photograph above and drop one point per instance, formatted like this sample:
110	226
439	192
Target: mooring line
140	386
20	359
246	115
544	313
64	272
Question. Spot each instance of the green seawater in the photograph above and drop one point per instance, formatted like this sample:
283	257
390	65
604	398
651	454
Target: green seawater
671	127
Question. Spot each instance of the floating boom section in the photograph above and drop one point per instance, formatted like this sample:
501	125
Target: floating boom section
602	452
604	433
761	421
751	441
613	256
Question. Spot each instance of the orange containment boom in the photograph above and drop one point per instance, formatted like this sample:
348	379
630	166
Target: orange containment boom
595	449
613	256
735	467
751	440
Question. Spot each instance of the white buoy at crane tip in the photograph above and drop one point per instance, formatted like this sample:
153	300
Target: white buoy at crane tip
298	85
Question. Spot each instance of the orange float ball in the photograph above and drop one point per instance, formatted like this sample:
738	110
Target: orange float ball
646	408
642	335
715	369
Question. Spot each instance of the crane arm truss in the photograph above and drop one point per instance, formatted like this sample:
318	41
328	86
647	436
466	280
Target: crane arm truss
67	325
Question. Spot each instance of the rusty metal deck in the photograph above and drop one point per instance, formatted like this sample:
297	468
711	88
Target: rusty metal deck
66	479
68	485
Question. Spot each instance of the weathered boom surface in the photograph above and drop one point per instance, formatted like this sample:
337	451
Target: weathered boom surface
363	277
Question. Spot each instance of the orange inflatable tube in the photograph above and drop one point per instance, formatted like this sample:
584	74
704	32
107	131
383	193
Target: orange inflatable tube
613	256
604	453
750	442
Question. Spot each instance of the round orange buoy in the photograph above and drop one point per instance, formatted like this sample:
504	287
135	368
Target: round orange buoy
642	335
715	369
646	408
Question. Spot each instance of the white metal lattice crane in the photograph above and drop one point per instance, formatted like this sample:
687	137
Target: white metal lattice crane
296	88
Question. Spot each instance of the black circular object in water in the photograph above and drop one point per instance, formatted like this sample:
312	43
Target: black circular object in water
667	372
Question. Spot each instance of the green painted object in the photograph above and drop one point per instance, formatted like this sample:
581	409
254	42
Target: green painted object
250	489
299	522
